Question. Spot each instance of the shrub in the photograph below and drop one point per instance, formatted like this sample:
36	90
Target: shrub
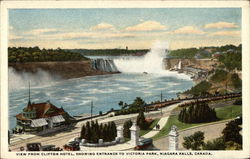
236	81
219	76
195	141
216	144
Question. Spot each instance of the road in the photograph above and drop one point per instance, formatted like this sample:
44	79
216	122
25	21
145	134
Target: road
63	137
211	131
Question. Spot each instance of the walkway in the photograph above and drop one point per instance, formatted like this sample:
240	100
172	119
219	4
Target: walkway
211	131
153	132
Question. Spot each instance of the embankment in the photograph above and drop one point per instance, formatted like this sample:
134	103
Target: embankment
205	64
66	70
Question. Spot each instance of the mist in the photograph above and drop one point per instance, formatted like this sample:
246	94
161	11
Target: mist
20	80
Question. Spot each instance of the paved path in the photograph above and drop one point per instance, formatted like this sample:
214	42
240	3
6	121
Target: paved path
152	133
211	131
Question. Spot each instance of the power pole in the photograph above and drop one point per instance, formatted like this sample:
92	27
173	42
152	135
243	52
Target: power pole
91	110
161	102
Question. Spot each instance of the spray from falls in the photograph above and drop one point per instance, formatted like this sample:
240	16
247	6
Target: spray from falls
152	62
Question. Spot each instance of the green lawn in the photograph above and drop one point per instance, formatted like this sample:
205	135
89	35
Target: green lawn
173	120
222	113
228	112
153	124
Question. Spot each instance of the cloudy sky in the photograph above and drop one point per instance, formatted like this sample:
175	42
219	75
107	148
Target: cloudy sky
118	28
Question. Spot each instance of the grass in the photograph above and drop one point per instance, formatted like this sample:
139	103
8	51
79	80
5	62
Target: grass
228	112
173	120
153	124
223	113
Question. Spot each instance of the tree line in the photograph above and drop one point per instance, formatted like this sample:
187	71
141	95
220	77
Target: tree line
191	52
197	113
108	52
35	54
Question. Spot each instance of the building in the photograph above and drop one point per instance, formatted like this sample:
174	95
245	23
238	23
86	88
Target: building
37	117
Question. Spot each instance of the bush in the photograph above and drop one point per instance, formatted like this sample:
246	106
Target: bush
195	141
230	145
216	144
219	76
236	81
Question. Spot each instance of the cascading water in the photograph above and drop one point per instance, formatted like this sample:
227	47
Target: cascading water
152	62
104	65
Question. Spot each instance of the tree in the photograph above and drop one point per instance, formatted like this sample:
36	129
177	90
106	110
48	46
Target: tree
197	113
93	132
126	126
121	104
195	141
216	144
138	103
232	132
141	122
83	131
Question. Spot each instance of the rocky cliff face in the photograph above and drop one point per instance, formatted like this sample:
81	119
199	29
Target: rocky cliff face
66	70
205	64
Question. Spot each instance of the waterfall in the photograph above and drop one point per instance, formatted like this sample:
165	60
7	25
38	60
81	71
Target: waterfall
152	62
179	65
104	65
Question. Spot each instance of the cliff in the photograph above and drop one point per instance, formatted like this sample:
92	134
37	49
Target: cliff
205	64
66	70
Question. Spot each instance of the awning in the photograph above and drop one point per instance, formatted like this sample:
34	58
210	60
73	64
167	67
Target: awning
38	122
57	119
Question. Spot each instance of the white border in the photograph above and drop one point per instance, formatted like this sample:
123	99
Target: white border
5	5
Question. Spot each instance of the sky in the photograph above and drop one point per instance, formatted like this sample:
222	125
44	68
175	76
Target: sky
137	28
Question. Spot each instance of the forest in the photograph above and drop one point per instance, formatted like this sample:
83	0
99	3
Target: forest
35	54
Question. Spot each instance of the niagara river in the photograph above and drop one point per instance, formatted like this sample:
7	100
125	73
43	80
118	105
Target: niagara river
142	76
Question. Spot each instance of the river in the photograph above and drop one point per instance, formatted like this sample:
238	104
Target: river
140	77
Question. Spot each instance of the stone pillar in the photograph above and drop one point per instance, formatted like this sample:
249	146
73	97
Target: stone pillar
100	141
134	131
173	139
120	133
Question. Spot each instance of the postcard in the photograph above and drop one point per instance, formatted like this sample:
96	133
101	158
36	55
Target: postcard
158	79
